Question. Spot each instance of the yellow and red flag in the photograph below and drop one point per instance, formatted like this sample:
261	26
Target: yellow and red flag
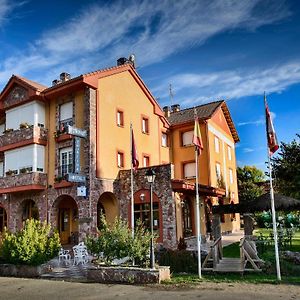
197	141
271	135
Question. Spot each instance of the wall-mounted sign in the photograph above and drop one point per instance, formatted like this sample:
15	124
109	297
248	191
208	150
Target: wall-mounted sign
76	156
75	177
77	131
81	191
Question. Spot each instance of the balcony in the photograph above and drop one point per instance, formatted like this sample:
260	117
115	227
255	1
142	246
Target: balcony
18	138
23	182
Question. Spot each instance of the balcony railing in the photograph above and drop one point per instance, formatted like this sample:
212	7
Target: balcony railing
23	182
63	171
21	137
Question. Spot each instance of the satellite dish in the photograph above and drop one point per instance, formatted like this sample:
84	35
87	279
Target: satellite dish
131	58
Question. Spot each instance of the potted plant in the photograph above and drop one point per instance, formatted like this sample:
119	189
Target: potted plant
24	125
7	130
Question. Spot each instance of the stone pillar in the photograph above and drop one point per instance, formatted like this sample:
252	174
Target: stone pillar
248	224
216	226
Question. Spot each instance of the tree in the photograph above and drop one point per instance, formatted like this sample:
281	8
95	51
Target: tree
286	169
249	178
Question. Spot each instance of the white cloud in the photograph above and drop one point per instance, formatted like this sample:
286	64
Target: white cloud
248	150
258	122
153	30
5	8
232	84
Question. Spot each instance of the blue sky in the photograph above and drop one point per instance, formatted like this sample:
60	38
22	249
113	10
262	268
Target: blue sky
208	50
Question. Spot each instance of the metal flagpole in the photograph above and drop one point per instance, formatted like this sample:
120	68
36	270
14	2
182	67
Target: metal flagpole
131	179
198	216
274	219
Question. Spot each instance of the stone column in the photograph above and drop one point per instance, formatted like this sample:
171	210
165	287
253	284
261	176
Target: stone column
216	226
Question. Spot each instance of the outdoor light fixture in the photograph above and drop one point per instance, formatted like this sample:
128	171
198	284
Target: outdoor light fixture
142	197
150	175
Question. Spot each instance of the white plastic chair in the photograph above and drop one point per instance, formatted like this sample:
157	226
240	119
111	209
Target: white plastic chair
80	254
64	256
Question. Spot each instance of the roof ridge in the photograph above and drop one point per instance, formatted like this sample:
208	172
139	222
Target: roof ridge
185	109
104	70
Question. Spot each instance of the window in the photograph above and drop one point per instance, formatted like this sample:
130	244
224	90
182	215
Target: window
32	113
229	152
33	159
142	213
1	169
146	161
218	170
217	145
66	161
120	118
189	170
164	139
65	116
145	125
231	176
120	159
187	138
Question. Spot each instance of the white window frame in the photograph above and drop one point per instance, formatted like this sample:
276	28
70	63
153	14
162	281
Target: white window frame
164	139
231	176
66	160
229	152
187	138
145	125
146	160
120	159
189	170
218	170
217	144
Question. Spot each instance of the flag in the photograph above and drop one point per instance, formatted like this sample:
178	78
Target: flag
134	155
271	135
197	141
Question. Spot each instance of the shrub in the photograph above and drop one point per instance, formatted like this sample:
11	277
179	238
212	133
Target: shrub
33	245
115	241
179	261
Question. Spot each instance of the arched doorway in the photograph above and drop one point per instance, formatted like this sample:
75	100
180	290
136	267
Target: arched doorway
29	210
67	224
107	205
186	206
3	218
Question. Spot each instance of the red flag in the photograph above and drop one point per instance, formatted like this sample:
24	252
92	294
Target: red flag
271	135
197	141
134	155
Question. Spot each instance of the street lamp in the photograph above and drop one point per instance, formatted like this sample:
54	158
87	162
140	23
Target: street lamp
150	175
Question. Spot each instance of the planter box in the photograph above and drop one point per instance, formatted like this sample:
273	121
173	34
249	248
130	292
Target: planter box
9	270
127	275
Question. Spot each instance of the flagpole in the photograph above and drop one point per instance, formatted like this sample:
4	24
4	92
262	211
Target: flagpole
198	216
272	192
131	180
274	220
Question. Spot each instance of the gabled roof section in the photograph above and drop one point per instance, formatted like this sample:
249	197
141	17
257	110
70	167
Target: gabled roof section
24	82
204	112
91	79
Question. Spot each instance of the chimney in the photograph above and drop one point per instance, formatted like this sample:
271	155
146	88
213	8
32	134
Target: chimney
122	61
167	111
64	76
55	82
175	108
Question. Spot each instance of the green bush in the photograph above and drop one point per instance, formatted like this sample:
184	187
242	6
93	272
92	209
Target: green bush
115	241
33	245
179	261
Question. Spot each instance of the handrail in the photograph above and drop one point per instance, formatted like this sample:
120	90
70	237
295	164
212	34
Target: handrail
246	256
215	253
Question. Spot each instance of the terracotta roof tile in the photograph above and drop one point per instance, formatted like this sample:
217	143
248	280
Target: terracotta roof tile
204	111
33	84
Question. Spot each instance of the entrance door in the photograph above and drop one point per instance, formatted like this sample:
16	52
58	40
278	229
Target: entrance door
65	225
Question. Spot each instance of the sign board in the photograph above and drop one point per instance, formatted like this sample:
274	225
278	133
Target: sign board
75	177
76	156
81	191
77	131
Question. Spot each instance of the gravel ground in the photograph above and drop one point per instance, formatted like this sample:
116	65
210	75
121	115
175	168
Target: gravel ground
33	289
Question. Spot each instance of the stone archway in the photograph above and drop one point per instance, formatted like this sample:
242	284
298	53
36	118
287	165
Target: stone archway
107	205
66	210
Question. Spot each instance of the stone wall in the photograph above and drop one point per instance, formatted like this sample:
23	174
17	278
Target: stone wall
162	188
